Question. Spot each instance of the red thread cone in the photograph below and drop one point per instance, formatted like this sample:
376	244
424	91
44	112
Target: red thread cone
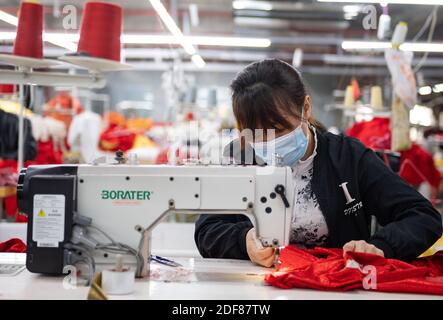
101	30
29	39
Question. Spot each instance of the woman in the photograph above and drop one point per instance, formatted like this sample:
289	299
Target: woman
338	182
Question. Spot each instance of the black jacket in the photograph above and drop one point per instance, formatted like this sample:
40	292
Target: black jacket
9	137
410	224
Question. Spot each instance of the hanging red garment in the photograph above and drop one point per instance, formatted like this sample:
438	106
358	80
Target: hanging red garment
374	134
417	166
13	245
328	269
46	154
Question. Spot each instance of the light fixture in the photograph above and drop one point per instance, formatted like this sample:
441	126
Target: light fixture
364	45
380	45
438	88
422	47
421	115
230	41
8	18
60	42
172	26
198	61
423	91
412	2
251	5
162	39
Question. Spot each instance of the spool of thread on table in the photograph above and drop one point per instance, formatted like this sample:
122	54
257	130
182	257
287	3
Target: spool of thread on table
29	38
119	280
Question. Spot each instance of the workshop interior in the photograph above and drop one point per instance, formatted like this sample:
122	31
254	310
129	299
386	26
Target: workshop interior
221	150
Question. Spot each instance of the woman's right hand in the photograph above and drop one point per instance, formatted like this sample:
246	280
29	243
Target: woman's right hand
263	256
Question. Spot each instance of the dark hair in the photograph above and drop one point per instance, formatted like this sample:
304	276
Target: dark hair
265	93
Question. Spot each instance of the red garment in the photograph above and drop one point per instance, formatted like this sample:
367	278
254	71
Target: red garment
21	218
328	269
417	166
13	245
46	154
374	134
117	138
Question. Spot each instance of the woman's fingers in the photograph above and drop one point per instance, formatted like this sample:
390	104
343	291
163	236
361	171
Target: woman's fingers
269	262
362	246
265	253
350	246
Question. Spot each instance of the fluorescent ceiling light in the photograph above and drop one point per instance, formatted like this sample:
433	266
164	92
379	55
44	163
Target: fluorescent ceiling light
160	39
352	9
252	5
379	45
230	41
421	115
196	40
172	26
422	47
417	2
198	60
423	91
438	88
8	18
13	20
7	35
365	45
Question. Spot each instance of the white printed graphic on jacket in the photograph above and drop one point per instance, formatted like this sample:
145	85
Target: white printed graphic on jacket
308	225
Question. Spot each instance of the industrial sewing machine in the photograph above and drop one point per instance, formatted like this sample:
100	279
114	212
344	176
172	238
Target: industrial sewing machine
90	213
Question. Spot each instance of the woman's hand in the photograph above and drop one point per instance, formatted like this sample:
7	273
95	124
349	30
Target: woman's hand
257	253
362	246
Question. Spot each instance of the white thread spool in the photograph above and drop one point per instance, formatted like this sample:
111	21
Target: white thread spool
119	280
349	97
376	98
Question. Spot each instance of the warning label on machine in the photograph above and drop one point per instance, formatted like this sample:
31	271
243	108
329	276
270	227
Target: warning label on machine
48	220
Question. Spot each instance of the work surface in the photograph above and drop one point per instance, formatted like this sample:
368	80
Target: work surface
198	279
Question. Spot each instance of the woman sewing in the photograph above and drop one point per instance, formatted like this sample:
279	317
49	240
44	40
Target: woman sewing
339	184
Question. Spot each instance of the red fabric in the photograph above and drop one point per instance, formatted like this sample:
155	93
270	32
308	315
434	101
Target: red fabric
7	88
29	38
117	138
46	154
417	166
326	269
100	30
13	245
10	206
21	218
374	134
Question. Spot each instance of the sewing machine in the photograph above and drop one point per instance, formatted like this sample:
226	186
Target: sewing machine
89	213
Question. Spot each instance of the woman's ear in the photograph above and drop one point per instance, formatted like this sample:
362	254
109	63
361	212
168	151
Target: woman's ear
307	108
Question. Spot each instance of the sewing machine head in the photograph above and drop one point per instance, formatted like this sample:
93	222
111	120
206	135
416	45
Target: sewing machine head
90	206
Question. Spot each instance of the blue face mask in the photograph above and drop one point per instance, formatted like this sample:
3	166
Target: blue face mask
291	148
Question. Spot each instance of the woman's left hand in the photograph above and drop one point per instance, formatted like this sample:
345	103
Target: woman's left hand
362	246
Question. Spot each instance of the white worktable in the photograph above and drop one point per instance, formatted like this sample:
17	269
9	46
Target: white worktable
201	279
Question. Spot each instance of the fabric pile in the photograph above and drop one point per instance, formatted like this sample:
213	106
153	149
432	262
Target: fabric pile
331	269
13	245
